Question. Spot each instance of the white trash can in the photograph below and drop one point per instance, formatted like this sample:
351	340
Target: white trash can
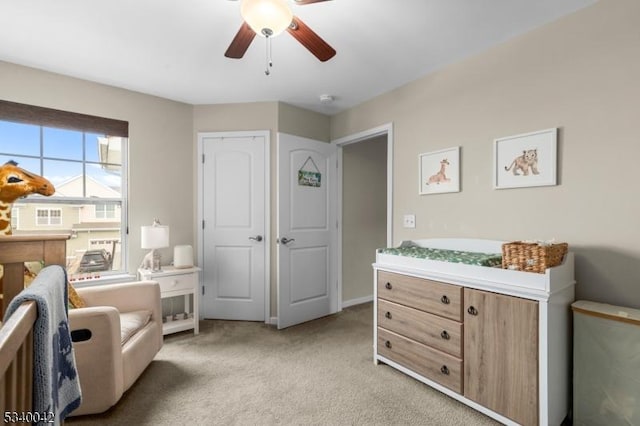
606	364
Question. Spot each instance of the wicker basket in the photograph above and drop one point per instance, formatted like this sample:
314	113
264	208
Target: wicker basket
532	257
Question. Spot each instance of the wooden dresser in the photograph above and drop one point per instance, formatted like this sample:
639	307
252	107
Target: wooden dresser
420	326
498	347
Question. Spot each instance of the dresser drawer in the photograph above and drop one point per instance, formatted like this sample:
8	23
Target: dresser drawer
429	296
176	282
430	363
432	330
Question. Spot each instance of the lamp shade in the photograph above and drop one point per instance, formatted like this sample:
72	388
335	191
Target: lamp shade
266	17
183	256
154	237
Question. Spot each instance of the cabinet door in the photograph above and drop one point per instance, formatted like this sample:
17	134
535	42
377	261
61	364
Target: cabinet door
501	354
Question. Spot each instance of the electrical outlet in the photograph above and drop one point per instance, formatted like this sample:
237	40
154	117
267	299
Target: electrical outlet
409	221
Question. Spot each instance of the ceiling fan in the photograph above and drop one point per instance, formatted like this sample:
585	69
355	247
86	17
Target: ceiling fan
271	17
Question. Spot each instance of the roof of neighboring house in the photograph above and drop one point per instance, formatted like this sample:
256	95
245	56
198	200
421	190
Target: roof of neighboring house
102	226
94	188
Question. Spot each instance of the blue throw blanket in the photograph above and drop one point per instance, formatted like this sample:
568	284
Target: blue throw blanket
56	387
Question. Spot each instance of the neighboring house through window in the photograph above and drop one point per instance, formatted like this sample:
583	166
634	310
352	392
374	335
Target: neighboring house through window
15	218
85	159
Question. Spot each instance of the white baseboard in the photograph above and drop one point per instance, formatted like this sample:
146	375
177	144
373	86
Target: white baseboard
358	301
273	320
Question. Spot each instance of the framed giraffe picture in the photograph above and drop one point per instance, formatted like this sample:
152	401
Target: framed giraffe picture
439	171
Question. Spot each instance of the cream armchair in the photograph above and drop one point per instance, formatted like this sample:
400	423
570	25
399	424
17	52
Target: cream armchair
114	339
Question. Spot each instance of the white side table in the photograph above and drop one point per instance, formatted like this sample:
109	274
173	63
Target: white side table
177	282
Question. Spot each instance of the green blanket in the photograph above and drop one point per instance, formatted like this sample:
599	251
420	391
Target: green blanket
455	256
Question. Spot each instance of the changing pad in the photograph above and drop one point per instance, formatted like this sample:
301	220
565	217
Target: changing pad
454	256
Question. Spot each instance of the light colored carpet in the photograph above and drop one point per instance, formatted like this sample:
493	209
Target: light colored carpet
247	373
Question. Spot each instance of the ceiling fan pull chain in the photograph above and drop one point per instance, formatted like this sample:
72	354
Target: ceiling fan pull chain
269	62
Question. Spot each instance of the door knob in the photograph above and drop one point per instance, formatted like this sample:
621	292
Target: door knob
285	240
257	238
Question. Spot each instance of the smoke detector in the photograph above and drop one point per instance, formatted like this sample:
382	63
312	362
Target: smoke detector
326	99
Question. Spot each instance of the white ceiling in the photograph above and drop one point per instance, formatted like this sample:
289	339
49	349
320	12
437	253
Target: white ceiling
175	48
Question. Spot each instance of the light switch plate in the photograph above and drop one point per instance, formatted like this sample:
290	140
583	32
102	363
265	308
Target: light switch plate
409	221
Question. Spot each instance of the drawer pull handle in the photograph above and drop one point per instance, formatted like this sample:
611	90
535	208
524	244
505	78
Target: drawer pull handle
444	299
472	310
444	370
445	335
388	286
387	344
388	315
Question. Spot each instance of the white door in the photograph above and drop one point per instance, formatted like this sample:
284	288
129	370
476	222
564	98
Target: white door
234	202
306	229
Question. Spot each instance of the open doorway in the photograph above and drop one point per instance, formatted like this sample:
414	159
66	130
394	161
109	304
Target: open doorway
365	183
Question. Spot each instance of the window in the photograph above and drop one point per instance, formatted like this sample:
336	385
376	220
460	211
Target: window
85	158
105	211
48	217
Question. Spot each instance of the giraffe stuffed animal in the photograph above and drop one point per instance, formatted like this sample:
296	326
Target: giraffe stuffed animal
15	183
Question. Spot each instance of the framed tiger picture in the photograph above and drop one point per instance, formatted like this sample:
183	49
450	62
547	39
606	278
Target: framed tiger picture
525	160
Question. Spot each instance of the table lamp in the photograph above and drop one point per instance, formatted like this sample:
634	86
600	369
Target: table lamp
154	237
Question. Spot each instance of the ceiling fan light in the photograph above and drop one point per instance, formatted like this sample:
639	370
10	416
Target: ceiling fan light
266	17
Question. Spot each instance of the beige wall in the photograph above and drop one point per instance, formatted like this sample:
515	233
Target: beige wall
275	117
364	213
160	145
579	74
304	123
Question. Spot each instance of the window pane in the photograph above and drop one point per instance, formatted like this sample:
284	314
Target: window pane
17	138
105	211
66	176
60	143
95	246
29	164
55	217
92	147
100	211
42	217
89	235
104	183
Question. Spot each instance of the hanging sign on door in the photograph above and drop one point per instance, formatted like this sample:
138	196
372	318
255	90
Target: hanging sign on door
309	177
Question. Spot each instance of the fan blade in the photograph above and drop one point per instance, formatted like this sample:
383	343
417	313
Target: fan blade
307	1
240	42
312	41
